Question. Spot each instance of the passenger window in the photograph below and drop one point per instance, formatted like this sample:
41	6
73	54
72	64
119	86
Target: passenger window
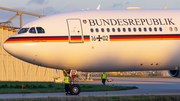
32	30
124	29
140	29
97	30
150	29
113	29
160	29
170	28
155	29
134	29
92	30
40	30
118	29
23	30
175	28
102	29
129	29
108	30
145	29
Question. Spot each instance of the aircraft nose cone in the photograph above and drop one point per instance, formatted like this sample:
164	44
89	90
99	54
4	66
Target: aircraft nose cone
10	48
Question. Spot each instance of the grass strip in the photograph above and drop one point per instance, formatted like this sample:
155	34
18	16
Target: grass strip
139	76
49	87
114	98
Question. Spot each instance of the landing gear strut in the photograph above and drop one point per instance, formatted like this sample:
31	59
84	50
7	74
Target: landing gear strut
74	88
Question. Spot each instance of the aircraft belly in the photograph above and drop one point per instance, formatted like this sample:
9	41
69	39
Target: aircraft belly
141	55
104	56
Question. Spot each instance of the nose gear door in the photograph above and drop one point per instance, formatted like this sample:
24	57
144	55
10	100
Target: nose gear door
75	30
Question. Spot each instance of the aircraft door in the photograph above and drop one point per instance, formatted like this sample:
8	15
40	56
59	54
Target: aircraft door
75	30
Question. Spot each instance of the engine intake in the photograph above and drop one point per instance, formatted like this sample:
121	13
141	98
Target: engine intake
174	73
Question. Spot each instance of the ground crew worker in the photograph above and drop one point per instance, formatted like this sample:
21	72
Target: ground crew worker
103	78
67	84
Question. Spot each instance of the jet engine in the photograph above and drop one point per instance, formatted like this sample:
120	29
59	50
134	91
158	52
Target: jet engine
174	73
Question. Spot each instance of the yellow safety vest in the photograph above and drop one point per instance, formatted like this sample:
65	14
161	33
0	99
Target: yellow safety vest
66	80
104	76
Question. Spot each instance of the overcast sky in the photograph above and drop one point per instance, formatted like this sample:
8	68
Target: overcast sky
59	6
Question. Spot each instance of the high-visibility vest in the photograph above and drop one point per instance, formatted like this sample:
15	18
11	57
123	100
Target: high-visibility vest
66	80
104	76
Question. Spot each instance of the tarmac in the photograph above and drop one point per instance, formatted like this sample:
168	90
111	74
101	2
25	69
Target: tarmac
146	86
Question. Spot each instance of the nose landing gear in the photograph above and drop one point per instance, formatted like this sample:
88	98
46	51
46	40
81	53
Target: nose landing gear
74	88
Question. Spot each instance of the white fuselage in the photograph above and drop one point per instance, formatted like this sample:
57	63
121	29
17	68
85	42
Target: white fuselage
71	41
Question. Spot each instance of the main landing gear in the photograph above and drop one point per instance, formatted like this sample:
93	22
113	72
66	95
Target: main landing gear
74	88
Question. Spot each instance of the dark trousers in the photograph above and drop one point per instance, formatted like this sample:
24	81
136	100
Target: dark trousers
103	81
67	88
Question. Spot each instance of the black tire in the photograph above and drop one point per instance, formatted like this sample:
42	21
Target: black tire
75	89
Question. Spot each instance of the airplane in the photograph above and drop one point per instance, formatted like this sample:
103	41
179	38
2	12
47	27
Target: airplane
101	41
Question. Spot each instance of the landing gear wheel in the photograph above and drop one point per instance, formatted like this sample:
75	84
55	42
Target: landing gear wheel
75	89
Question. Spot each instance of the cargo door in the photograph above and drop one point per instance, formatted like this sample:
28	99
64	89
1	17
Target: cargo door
75	30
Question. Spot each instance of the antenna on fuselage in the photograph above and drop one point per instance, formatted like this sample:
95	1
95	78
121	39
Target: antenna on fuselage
165	7
98	8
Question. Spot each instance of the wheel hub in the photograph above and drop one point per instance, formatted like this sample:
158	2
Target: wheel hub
75	89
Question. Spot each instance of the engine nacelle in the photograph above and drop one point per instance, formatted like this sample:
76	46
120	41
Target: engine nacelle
174	73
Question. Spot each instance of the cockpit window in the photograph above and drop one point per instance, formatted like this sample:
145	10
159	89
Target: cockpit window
32	30
23	30
40	30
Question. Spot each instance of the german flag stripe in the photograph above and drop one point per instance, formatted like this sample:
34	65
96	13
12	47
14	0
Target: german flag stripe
86	38
46	39
76	38
144	37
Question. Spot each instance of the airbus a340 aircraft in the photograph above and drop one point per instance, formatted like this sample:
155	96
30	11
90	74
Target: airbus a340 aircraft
102	41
